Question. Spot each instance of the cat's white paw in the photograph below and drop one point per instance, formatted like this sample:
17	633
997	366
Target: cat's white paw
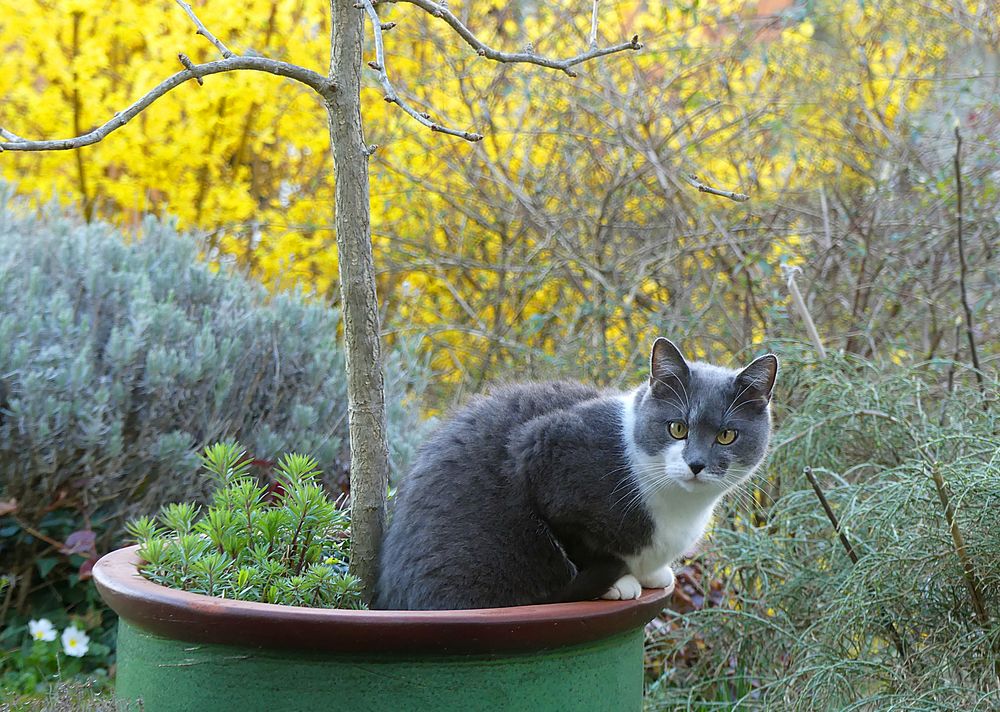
626	588
661	578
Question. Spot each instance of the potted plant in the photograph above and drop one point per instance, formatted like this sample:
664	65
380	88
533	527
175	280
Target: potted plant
180	648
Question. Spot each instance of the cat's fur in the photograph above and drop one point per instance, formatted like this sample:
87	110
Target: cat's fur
557	491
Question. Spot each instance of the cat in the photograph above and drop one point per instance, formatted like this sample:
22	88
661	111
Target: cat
552	492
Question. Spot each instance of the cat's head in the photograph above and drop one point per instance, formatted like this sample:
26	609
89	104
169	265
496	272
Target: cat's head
708	426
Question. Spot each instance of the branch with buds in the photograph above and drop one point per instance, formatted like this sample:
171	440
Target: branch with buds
441	11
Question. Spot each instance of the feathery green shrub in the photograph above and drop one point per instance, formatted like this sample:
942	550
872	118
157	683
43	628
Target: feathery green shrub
288	546
904	463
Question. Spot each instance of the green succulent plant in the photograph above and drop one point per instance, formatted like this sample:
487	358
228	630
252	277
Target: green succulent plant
285	544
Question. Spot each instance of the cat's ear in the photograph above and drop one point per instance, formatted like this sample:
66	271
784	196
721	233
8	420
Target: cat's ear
756	381
668	371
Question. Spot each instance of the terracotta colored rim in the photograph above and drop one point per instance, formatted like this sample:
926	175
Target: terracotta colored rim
204	619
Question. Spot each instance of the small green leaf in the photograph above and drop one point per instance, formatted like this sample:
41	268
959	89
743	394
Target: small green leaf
45	565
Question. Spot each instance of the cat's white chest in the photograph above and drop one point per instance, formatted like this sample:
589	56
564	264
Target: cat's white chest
678	526
679	514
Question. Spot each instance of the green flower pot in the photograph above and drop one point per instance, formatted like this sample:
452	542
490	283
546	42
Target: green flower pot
183	651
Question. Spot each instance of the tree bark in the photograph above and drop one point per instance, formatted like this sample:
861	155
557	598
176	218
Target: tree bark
359	302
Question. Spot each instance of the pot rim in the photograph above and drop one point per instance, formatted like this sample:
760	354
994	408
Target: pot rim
198	618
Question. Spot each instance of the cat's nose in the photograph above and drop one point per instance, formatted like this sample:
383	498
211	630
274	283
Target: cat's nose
696	467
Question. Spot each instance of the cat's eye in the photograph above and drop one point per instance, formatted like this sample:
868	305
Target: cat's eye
678	429
726	437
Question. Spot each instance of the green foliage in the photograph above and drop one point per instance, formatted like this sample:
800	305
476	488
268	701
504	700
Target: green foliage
30	664
798	620
121	357
287	545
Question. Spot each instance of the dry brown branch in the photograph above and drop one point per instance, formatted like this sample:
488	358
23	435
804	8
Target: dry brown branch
697	183
972	582
391	95
565	65
963	268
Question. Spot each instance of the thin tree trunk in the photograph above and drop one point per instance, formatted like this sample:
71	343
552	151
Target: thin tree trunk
366	402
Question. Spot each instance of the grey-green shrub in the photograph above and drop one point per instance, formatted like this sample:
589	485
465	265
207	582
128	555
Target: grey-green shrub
121	357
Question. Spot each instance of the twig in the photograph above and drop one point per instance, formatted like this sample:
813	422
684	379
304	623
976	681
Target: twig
314	80
37	534
696	182
887	623
441	11
203	31
954	360
827	233
593	26
969	329
800	307
831	515
391	95
231	62
968	570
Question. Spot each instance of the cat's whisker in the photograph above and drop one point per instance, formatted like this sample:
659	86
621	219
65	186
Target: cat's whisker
732	405
638	473
642	495
745	499
687	402
763	492
615	471
745	493
732	419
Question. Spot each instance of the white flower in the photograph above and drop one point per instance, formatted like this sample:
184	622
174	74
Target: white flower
42	629
75	642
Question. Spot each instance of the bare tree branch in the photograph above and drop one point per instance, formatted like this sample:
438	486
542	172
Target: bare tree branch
231	63
320	84
203	31
441	11
9	135
390	92
696	182
188	64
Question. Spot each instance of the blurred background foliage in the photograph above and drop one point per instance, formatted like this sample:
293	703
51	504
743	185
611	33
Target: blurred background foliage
121	360
569	232
569	237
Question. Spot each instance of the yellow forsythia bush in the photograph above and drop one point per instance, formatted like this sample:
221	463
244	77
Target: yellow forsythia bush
752	101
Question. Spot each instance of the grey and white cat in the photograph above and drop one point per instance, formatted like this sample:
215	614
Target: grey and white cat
549	492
